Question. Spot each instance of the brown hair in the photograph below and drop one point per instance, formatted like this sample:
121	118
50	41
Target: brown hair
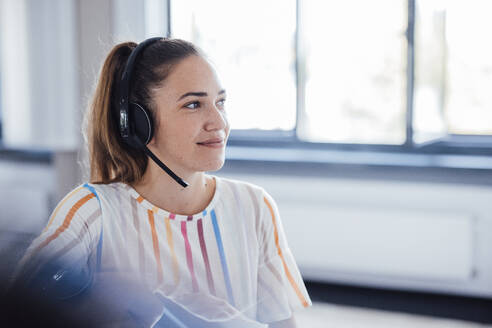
110	158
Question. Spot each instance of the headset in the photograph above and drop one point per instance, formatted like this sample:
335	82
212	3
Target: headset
135	121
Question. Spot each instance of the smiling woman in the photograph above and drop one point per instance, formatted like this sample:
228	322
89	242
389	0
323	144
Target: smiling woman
190	123
210	251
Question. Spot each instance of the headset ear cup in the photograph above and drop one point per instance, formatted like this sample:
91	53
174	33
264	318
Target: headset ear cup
143	124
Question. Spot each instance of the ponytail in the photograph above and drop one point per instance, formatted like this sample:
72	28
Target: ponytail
110	158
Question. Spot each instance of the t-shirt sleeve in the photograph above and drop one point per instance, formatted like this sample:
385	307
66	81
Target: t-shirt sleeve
281	289
67	241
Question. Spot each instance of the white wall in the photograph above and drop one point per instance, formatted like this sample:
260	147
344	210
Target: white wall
392	234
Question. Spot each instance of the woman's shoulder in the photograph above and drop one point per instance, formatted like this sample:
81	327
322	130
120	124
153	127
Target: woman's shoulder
242	187
78	197
247	193
108	191
90	195
80	203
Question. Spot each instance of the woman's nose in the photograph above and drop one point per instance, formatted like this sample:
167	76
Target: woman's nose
216	119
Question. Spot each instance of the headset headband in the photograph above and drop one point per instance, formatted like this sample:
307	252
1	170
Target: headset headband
128	119
125	85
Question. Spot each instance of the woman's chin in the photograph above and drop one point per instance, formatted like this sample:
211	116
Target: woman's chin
213	165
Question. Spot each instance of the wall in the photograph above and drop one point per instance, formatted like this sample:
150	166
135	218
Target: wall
427	236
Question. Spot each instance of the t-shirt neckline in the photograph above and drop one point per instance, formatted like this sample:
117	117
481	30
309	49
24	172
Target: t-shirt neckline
174	216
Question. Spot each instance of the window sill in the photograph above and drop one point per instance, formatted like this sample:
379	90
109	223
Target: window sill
359	165
25	155
358	157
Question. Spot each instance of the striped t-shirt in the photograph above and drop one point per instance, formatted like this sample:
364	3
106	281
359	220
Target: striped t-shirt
234	250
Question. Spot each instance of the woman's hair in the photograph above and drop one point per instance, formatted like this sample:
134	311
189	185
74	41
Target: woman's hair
110	158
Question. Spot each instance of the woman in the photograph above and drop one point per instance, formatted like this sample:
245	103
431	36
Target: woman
208	238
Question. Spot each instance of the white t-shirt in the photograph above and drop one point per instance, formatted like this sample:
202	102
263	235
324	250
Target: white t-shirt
234	250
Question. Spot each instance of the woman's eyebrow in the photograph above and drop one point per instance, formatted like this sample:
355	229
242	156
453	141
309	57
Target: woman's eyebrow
188	94
199	94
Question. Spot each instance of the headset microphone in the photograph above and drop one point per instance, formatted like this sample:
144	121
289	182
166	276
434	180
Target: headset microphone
162	165
135	121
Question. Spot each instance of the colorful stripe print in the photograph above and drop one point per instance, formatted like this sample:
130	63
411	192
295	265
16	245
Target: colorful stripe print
279	251
66	222
223	260
100	242
136	225
187	247
64	200
169	236
29	262
203	252
155	244
189	252
203	248
189	256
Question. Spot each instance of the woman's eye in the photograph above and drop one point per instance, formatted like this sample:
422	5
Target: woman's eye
193	105
221	102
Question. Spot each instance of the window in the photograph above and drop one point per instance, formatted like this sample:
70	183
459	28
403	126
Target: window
39	73
453	68
397	76
245	43
354	59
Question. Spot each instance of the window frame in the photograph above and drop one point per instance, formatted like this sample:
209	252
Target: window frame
464	148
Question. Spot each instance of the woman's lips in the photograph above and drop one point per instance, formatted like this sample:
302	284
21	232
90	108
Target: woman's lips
214	143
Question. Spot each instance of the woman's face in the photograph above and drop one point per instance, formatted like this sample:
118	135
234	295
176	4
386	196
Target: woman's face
192	127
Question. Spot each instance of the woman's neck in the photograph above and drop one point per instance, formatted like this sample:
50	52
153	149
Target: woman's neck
162	191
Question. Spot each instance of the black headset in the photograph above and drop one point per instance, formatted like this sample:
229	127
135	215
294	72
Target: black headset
135	121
